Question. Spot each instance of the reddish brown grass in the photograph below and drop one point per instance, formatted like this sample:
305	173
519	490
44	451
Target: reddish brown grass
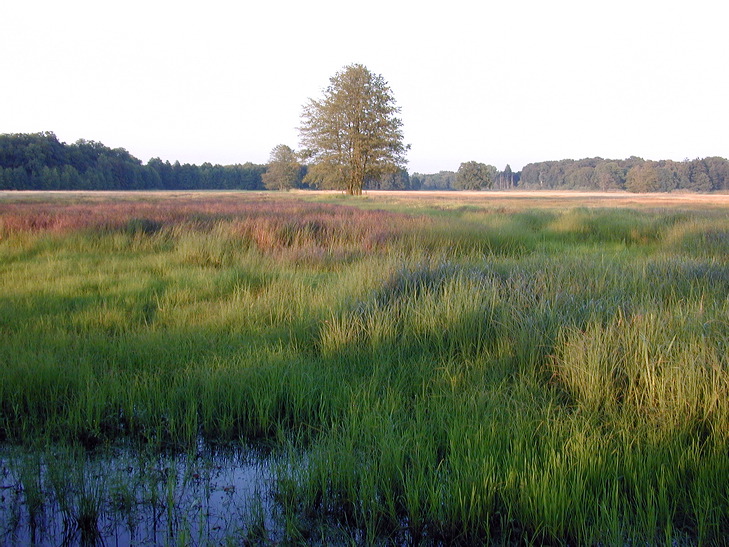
269	223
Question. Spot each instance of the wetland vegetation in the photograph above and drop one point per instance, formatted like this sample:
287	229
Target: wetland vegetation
446	370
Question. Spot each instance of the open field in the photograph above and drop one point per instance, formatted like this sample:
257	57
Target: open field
433	367
554	198
515	199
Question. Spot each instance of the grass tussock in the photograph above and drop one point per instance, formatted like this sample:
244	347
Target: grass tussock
455	376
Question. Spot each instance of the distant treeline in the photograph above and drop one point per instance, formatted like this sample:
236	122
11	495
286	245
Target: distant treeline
39	161
633	174
450	180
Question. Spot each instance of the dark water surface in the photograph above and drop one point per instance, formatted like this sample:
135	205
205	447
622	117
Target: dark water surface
63	496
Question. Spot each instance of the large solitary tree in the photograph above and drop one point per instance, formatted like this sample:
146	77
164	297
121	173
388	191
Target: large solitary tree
353	133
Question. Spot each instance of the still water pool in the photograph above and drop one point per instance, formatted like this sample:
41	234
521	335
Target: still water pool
66	496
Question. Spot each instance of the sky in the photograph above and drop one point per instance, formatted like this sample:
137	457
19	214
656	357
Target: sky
507	82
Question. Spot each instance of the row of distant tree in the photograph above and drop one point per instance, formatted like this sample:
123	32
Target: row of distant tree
39	161
633	174
471	175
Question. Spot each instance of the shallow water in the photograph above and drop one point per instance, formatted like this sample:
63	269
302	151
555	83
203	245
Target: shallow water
121	497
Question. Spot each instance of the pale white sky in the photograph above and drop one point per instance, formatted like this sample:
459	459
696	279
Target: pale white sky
496	82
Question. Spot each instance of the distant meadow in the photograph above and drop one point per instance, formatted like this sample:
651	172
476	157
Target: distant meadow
212	367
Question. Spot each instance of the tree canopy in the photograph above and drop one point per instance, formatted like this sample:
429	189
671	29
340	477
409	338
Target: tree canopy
353	133
473	175
284	170
39	161
633	174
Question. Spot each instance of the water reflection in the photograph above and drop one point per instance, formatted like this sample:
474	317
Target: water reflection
66	496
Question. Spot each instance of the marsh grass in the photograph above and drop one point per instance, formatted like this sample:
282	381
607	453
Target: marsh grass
457	375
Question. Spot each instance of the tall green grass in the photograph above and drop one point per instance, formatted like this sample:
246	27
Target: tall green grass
459	376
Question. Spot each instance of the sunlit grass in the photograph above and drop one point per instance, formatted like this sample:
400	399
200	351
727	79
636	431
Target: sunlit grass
455	374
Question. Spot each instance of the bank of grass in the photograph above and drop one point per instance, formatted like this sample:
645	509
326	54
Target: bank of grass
549	375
